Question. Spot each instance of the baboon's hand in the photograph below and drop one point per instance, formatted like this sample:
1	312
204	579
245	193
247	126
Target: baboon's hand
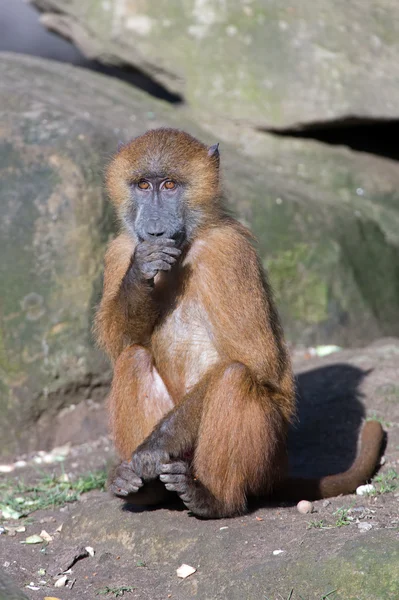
146	463
124	480
153	256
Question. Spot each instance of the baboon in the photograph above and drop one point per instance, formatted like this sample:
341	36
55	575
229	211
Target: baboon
202	393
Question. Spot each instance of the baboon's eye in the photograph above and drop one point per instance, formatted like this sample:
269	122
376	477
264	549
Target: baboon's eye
169	185
143	185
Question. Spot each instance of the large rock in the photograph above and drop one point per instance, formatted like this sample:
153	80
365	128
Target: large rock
326	219
55	222
271	62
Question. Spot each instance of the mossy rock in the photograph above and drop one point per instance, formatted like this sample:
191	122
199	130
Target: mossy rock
273	63
326	220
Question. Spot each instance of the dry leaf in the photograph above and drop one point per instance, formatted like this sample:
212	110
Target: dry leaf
9	513
46	536
33	539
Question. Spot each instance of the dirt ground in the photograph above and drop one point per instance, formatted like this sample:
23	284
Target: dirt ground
347	549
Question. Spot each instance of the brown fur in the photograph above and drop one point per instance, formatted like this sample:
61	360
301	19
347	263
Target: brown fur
136	389
206	339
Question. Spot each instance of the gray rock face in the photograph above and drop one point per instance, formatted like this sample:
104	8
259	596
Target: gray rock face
55	222
272	63
326	220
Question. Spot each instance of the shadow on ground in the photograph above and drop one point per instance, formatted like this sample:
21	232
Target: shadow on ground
324	439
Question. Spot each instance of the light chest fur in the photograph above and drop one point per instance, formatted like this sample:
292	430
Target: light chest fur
182	343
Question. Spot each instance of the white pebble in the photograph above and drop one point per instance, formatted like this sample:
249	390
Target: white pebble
185	571
90	550
61	582
362	490
6	468
20	464
305	507
277	552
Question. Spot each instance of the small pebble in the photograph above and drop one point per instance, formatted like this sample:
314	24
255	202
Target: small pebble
277	552
356	509
362	490
6	468
185	571
90	550
364	526
305	507
20	464
326	503
61	582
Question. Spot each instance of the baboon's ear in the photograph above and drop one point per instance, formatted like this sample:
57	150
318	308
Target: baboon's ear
213	151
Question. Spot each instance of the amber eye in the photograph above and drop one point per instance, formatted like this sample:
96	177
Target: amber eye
143	185
169	185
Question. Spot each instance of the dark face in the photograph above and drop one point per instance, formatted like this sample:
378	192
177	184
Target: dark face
157	210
